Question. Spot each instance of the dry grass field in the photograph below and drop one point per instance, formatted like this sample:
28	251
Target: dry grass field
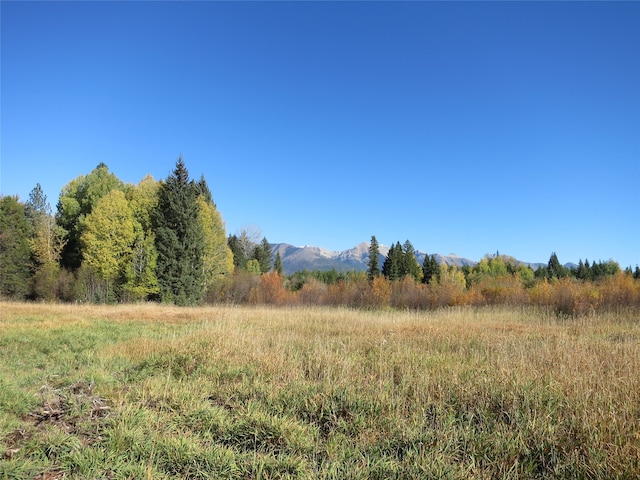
151	391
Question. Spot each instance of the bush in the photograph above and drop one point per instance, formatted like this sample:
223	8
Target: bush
380	295
269	291
45	282
238	288
406	293
313	292
500	290
620	290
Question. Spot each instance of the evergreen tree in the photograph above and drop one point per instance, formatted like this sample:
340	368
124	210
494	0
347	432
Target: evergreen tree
278	265
392	263
587	270
37	204
387	266
409	264
554	268
179	239
203	190
46	244
262	253
430	269
583	271
243	246
373	269
15	252
239	259
48	239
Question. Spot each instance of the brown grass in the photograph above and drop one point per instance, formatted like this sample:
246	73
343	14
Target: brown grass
569	385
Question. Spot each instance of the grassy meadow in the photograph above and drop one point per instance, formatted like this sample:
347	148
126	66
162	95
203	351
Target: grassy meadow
151	391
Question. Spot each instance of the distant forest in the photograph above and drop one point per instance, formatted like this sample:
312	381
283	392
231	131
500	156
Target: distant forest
110	241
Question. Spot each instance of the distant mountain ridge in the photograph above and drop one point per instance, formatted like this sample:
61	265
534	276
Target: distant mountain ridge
295	259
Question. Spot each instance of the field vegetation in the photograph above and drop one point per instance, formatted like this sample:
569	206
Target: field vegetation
156	391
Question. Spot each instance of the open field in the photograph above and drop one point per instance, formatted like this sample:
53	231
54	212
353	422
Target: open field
154	391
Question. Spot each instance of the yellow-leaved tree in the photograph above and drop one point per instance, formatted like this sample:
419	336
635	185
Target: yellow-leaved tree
108	237
141	281
46	242
218	258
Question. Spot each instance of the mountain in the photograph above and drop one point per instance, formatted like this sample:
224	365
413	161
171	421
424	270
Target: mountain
295	259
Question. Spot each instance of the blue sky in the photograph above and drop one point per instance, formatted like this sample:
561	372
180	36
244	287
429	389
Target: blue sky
463	127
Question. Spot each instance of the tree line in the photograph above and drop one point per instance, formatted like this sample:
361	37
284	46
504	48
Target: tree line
402	283
109	241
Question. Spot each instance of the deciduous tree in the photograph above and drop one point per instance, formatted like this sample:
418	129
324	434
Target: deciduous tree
77	199
141	281
108	238
217	259
46	242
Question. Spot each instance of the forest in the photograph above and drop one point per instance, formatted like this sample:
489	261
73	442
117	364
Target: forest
165	241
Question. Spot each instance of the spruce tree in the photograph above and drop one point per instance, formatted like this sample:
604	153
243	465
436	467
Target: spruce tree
46	245
373	263
409	265
392	264
262	253
554	268
386	265
179	239
15	232
430	269
278	265
239	258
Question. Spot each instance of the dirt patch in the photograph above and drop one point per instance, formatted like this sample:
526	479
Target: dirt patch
75	409
51	476
71	408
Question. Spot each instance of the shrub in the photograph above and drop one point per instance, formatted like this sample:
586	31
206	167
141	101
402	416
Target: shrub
406	293
313	292
620	290
238	288
269	291
380	295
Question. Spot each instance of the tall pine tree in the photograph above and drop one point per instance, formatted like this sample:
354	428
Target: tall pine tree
373	264
46	244
262	253
15	232
179	239
278	264
392	264
430	269
409	264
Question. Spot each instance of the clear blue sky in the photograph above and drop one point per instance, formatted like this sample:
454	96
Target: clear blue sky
463	127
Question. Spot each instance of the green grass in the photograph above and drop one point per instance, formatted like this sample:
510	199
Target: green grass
159	392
